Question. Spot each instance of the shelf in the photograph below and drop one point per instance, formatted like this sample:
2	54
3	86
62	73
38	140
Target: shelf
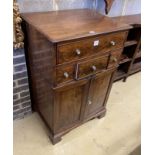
124	58
129	43
135	68
134	35
138	55
135	71
119	75
129	51
124	61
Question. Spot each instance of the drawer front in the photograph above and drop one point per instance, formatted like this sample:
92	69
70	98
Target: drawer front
92	66
87	47
64	74
115	58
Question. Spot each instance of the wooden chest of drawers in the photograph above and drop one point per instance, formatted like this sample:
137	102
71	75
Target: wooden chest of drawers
72	56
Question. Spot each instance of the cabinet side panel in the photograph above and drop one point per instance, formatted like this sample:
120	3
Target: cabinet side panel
40	56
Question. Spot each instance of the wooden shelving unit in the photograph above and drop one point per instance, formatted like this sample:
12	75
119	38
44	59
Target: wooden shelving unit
129	43
136	66
119	75
138	55
130	61
123	59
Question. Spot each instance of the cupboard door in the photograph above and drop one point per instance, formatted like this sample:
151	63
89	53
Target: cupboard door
68	105
98	91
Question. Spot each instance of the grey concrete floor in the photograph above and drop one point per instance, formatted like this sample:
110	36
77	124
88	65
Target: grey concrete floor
118	133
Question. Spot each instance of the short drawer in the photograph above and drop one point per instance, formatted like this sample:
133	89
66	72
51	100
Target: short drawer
86	47
93	66
115	58
64	74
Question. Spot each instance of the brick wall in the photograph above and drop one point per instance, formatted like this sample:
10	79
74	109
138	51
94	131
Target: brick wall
21	95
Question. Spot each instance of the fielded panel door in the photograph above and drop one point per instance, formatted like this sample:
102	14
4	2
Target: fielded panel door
68	105
98	92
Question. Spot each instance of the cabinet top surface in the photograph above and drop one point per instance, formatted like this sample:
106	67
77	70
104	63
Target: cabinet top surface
65	25
129	19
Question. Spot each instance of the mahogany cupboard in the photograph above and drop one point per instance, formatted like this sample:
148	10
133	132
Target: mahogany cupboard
72	57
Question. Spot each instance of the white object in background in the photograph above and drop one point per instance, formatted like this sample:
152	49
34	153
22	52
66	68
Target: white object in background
55	6
124	7
95	5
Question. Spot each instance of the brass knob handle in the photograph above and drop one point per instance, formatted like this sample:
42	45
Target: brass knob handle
89	102
113	43
66	75
114	59
78	52
94	68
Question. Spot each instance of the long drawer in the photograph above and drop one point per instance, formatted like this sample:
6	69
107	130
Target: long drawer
75	50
